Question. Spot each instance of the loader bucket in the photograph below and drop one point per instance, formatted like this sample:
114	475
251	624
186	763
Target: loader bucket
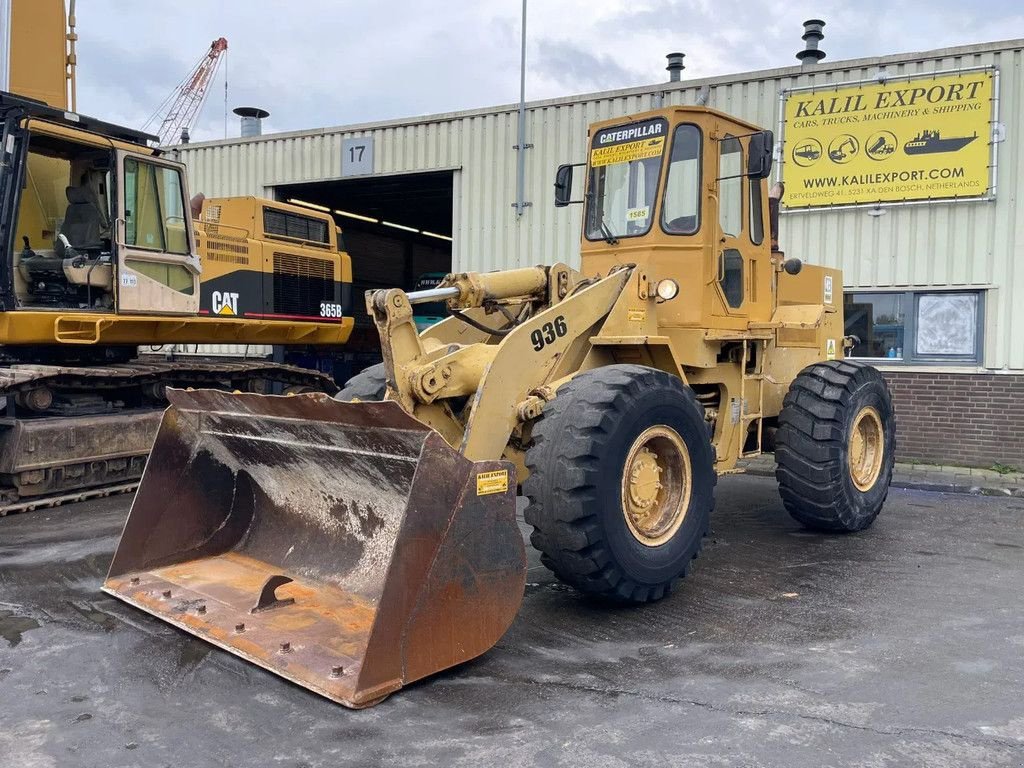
344	546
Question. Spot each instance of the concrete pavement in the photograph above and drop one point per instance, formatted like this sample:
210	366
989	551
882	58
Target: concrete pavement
901	645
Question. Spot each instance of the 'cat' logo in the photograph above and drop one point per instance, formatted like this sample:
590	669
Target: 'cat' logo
224	303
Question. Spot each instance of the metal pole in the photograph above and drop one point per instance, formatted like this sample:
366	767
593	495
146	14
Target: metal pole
72	63
520	204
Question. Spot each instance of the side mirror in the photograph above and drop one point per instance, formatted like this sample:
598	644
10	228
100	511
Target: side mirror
563	185
759	156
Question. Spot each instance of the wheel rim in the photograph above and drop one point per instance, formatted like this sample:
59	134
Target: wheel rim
656	485
866	448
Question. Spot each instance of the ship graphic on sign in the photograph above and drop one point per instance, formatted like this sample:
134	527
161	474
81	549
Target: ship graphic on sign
930	142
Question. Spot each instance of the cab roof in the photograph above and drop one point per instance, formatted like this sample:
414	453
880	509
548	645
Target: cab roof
671	113
26	107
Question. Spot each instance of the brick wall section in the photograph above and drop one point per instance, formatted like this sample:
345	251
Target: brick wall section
973	420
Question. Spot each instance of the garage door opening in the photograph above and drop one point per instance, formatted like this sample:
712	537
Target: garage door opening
398	231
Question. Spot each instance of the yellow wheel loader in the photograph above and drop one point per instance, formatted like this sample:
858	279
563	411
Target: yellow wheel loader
353	547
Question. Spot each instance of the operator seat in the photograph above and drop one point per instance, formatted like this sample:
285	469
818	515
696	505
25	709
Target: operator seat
85	226
83	222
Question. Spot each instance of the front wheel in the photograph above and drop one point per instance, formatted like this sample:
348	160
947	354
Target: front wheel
621	485
368	386
836	445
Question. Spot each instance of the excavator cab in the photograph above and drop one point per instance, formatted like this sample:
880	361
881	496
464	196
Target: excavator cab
92	220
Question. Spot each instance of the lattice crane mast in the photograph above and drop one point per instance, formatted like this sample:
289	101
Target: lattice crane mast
180	110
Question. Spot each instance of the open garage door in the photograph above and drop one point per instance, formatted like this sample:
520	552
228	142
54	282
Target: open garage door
398	230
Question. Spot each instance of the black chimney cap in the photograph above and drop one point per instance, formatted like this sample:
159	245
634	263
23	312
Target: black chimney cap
251	112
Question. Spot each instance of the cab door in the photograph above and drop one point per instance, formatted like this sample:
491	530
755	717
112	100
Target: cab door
157	266
732	244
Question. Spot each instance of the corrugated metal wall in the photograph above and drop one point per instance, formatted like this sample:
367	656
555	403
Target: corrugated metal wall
965	244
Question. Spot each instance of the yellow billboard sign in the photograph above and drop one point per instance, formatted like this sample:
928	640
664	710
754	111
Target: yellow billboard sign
920	139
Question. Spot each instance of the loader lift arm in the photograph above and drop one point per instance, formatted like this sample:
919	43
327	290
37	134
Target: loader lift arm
423	373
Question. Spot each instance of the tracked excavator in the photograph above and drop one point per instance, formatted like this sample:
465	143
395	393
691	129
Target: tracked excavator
102	256
354	547
104	252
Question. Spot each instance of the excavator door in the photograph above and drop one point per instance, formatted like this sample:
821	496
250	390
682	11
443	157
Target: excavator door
157	266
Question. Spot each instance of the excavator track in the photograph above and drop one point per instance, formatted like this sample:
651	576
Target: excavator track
70	432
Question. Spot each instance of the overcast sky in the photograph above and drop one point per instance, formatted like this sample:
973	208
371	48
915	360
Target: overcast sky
315	63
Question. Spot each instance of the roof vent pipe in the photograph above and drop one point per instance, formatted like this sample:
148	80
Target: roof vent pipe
675	66
812	35
251	120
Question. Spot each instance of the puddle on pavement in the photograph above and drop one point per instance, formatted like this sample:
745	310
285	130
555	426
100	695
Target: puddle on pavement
89	611
14	625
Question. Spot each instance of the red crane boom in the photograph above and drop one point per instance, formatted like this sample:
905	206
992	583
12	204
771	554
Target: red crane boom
181	109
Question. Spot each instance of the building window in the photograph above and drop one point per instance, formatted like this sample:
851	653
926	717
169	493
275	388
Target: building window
917	327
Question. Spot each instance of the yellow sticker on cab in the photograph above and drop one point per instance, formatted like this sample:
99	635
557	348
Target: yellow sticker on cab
628	152
492	482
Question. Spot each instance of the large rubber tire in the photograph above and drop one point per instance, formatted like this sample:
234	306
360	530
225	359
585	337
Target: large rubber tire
577	461
812	446
369	386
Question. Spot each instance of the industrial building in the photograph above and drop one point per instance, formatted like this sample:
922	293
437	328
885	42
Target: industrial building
930	269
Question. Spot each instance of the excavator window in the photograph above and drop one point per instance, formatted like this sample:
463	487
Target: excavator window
680	213
154	207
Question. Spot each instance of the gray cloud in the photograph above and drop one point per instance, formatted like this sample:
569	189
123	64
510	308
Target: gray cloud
578	67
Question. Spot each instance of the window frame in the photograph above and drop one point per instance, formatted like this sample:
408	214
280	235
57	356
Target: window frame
700	182
912	300
157	167
590	193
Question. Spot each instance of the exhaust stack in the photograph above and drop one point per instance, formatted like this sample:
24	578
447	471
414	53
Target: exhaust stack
251	119
675	66
812	36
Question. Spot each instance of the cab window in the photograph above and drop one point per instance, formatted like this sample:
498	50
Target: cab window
154	207
625	166
730	187
680	213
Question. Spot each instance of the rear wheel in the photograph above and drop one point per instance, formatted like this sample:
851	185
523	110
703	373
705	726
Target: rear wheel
621	485
835	446
368	385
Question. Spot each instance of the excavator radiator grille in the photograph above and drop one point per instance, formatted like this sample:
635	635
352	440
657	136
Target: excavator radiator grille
302	284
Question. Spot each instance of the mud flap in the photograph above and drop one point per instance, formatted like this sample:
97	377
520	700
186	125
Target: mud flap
344	546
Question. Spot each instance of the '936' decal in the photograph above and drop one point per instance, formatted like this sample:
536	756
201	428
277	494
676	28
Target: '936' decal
330	310
548	332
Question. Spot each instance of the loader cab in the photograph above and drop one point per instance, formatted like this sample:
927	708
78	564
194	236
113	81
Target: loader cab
682	192
91	222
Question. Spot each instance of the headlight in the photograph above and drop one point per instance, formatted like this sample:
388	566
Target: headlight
667	289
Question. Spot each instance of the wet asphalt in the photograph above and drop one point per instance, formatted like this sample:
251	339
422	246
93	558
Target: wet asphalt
903	645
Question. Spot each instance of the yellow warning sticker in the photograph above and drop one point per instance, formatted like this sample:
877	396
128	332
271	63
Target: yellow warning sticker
637	315
830	349
492	482
625	153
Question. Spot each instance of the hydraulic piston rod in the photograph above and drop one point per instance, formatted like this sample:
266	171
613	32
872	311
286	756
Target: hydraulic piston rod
432	294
